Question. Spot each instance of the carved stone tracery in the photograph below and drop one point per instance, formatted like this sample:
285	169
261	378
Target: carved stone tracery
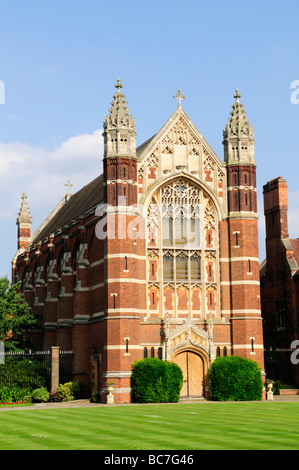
153	160
188	334
209	218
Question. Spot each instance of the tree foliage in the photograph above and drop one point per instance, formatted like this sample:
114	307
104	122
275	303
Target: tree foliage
15	315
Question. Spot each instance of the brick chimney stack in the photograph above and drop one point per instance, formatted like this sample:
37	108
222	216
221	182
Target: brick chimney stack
276	208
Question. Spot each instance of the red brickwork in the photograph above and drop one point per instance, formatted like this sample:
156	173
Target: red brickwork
279	283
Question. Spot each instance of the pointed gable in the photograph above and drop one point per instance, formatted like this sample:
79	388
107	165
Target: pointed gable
179	147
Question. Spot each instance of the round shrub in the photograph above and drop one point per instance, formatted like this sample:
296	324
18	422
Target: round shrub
65	392
174	381
40	395
235	378
156	381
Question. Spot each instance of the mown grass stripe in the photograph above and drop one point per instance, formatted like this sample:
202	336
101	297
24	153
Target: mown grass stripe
154	427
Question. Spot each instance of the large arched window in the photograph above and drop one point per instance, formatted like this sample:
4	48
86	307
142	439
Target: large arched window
182	243
180	222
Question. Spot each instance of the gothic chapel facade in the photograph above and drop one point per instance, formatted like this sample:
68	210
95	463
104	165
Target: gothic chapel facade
156	257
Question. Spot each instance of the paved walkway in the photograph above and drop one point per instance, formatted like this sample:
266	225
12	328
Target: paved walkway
286	398
88	404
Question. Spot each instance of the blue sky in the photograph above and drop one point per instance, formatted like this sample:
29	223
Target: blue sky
60	61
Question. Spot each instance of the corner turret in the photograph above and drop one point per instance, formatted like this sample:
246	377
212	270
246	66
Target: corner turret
238	136
24	222
120	163
119	128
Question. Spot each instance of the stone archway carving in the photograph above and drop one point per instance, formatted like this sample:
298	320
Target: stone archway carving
189	334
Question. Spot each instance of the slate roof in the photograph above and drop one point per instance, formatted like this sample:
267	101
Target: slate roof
79	203
141	147
291	245
294	263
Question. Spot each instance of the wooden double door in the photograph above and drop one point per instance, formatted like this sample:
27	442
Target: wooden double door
193	373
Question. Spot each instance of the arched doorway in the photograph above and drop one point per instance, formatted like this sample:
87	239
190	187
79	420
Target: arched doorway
192	366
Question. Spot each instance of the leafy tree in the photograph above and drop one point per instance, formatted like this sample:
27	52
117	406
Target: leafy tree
15	315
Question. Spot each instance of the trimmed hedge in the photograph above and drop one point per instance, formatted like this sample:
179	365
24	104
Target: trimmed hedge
24	373
235	378
156	381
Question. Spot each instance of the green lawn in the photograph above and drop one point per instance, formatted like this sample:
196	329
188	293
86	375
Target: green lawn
255	425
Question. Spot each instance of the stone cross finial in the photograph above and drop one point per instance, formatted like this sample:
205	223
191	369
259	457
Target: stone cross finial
179	97
237	95
118	85
68	184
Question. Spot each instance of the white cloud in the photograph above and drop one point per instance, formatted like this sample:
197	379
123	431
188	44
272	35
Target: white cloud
49	70
42	174
81	146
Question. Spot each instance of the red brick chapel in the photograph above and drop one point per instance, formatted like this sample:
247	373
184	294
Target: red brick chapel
156	257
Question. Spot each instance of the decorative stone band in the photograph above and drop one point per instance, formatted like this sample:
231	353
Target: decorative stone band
245	318
117	374
239	283
86	319
243	215
241	311
117	255
119	181
101	284
124	280
250	188
122	346
239	258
